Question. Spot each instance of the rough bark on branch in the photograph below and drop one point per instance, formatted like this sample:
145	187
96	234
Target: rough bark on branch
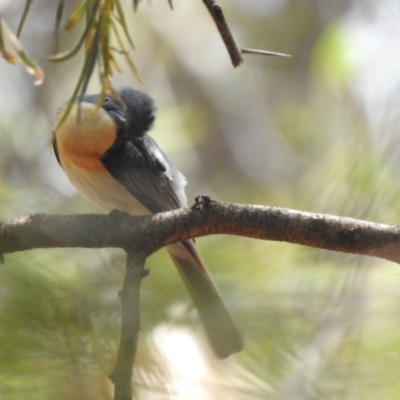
270	223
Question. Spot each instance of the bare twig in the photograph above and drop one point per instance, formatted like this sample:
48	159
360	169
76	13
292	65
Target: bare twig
234	52
218	16
264	53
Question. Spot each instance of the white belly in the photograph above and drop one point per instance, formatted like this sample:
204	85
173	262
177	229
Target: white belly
101	189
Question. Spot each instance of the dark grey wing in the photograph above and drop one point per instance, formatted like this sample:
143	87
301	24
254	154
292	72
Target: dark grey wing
141	167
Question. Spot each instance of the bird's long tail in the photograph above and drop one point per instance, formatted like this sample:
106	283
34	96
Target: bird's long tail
219	324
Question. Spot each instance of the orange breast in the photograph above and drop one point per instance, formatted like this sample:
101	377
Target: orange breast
85	136
71	153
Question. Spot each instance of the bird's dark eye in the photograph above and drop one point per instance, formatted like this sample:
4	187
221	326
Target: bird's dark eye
108	102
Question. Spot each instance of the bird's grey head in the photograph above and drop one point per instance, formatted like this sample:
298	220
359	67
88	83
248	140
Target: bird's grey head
134	112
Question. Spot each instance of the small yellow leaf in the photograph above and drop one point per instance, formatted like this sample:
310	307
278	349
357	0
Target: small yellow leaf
76	16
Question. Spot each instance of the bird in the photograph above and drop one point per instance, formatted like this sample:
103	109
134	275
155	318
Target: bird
104	147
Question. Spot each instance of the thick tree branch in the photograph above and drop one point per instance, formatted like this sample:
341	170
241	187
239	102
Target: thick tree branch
270	223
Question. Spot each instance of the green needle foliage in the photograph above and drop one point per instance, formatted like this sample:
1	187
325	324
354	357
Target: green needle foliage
103	19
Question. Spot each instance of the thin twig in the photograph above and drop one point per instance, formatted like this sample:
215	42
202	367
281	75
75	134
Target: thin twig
218	16
264	53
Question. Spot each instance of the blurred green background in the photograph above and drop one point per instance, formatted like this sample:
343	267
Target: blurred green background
314	132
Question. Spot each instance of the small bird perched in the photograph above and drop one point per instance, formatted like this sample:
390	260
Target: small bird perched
109	157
